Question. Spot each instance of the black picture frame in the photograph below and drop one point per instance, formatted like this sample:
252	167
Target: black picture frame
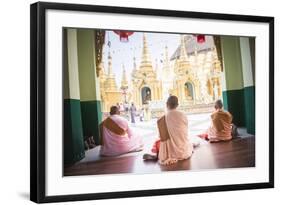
38	100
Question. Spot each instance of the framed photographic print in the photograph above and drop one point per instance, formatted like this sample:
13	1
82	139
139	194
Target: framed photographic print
129	102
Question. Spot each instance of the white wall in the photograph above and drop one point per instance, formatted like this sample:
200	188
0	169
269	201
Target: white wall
14	104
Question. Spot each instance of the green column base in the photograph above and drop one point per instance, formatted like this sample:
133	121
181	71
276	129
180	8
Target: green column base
234	103
241	104
73	134
249	96
91	118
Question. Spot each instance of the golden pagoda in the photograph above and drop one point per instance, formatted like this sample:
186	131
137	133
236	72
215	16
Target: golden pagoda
124	82
193	73
110	94
125	86
102	80
146	88
110	81
134	72
167	75
214	81
102	75
186	83
197	72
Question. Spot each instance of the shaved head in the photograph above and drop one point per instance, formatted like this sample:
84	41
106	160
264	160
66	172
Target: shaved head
114	110
172	102
218	104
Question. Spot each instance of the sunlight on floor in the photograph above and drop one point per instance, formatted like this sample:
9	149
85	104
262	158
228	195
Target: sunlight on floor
198	123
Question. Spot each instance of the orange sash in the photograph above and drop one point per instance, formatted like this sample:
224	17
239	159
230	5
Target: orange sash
112	126
219	118
163	130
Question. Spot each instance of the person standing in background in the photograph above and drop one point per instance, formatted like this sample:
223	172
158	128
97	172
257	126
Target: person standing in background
133	110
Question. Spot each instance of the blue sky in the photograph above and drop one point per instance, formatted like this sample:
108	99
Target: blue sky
123	52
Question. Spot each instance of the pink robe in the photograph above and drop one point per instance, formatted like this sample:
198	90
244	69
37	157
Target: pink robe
114	144
178	146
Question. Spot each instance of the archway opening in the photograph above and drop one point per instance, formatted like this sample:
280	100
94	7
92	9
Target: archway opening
188	91
145	95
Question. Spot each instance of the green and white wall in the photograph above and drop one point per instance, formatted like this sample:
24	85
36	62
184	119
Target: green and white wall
89	90
238	80
82	106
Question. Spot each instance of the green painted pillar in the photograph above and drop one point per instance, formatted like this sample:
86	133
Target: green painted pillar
73	133
248	84
233	95
89	84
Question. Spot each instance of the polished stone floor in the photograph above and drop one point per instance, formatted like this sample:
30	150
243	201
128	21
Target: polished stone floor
237	153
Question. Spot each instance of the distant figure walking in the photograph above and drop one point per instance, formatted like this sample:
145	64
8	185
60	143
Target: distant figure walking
141	114
133	111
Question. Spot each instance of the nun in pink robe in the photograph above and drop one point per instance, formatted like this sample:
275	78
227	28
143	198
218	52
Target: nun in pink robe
174	143
117	137
178	146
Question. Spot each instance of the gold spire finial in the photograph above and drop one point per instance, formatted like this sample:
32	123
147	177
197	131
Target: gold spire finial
124	82
145	59
135	64
110	81
184	64
166	58
134	71
183	54
166	70
145	53
109	64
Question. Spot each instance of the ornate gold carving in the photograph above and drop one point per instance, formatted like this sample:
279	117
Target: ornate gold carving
217	41
100	35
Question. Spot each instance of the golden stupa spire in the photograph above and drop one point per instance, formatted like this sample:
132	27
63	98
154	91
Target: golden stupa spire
166	71
183	55
102	75
145	64
124	82
183	60
109	64
157	70
134	71
110	82
166	62
135	64
145	52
